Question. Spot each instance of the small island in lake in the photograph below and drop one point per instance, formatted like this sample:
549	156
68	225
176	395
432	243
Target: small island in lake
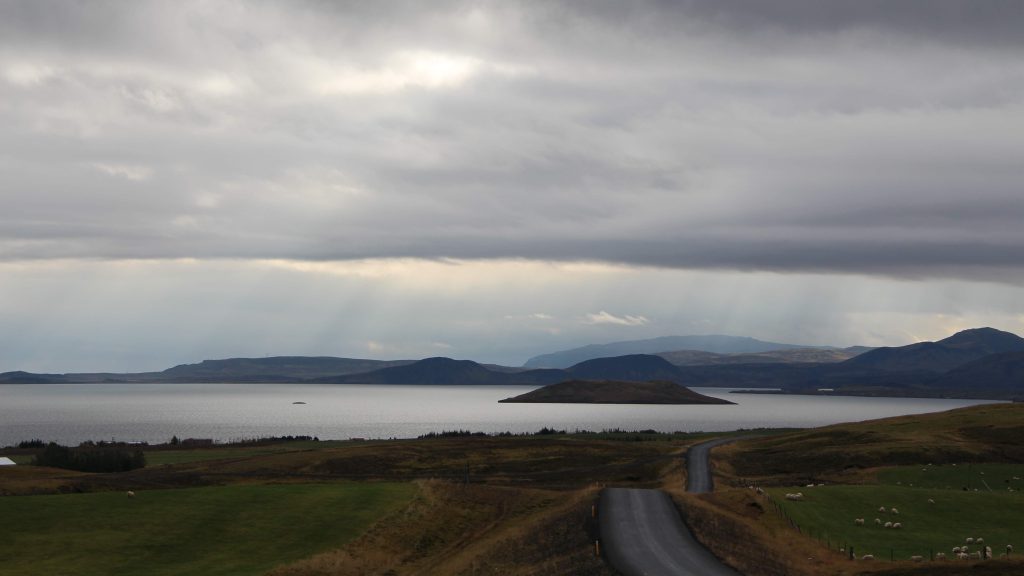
615	392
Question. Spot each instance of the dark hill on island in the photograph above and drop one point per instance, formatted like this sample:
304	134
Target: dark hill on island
711	343
636	367
941	356
613	392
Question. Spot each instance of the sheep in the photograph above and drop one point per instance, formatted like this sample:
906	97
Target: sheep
894	510
963	556
970	540
988	552
809	486
796	496
976	555
1009	548
897	525
930	501
858	521
979	540
916	558
956	550
940	555
888	524
881	509
131	494
867	557
878	521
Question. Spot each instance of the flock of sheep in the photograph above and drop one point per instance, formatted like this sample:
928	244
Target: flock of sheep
962	552
959	552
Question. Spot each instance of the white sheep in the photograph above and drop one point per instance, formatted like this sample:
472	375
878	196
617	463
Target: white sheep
881	509
930	501
976	555
867	557
916	558
897	525
878	521
858	521
956	549
970	540
963	556
888	524
988	552
894	510
940	555
796	496
131	494
1009	548
979	540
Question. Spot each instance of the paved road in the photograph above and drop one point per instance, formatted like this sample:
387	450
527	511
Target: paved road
698	467
643	535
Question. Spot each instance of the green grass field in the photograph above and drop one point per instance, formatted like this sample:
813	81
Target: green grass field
214	531
981	477
828	512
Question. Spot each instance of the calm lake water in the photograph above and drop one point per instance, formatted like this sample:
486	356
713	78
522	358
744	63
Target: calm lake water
71	413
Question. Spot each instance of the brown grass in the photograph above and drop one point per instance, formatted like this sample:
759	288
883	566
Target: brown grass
471	529
989	433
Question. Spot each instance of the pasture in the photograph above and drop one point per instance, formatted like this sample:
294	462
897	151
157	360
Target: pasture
827	513
215	531
981	477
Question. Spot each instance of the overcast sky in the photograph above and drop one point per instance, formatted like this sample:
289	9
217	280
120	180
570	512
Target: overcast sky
493	180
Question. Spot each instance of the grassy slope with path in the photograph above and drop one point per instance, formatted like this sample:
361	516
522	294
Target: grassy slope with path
230	530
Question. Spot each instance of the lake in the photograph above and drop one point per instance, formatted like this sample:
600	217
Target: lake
71	413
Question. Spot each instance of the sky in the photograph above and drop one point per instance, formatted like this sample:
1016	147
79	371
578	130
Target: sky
495	180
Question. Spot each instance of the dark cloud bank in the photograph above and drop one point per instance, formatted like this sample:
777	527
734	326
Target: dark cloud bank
862	137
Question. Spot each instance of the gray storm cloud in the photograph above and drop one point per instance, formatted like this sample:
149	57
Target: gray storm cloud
861	137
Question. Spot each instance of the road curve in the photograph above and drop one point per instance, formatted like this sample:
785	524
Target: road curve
643	535
698	466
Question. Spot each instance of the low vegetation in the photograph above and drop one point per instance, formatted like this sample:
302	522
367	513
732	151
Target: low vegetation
460	503
211	530
959	477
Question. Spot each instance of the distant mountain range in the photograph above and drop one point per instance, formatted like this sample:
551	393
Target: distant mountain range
715	344
978	363
790	356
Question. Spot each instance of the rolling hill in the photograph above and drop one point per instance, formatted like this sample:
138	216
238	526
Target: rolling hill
941	356
710	343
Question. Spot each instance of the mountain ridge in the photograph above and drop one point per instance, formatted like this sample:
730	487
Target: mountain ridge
715	343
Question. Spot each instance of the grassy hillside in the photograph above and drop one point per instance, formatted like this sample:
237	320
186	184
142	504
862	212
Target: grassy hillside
988	433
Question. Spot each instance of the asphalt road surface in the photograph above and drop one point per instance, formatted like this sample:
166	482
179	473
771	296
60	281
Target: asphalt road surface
643	535
698	468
